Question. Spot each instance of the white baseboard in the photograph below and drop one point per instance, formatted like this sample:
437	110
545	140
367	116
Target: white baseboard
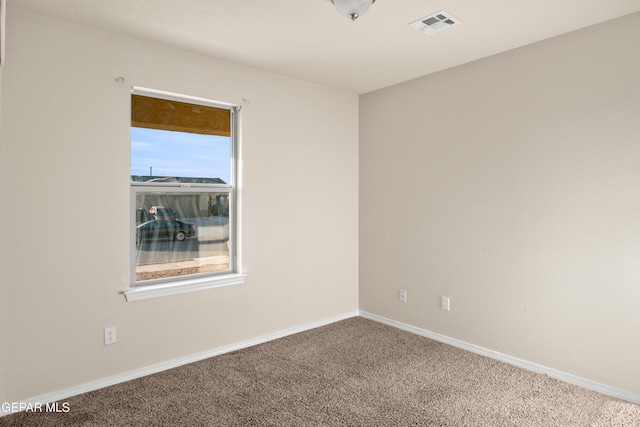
163	366
159	367
563	376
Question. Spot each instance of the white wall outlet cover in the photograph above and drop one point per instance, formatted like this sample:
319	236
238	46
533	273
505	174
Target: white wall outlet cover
403	295
109	335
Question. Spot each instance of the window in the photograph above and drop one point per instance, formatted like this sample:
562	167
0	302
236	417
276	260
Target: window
184	198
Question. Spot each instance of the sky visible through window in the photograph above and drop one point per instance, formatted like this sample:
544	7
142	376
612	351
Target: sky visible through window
180	154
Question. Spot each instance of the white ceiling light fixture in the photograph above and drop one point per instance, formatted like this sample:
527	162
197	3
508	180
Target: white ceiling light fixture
352	9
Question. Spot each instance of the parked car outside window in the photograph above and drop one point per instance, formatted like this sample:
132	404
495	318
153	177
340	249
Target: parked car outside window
164	229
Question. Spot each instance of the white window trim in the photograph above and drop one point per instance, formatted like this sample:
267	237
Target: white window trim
196	283
183	286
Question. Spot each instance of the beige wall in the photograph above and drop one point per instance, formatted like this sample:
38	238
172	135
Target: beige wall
64	135
512	185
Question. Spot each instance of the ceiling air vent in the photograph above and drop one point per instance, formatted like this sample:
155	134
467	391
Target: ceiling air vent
437	22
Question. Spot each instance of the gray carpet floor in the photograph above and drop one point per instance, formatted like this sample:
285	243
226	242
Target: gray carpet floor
356	372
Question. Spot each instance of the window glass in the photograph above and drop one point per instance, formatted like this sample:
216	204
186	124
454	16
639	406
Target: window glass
182	188
180	234
160	154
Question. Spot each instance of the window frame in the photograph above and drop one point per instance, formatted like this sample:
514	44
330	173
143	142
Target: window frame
188	283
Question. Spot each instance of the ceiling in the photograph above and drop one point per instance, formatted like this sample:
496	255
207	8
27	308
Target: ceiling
309	40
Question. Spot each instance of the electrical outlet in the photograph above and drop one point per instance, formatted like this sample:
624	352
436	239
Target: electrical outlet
403	295
110	335
445	303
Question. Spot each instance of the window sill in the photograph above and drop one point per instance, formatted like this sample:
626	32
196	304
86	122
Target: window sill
183	286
